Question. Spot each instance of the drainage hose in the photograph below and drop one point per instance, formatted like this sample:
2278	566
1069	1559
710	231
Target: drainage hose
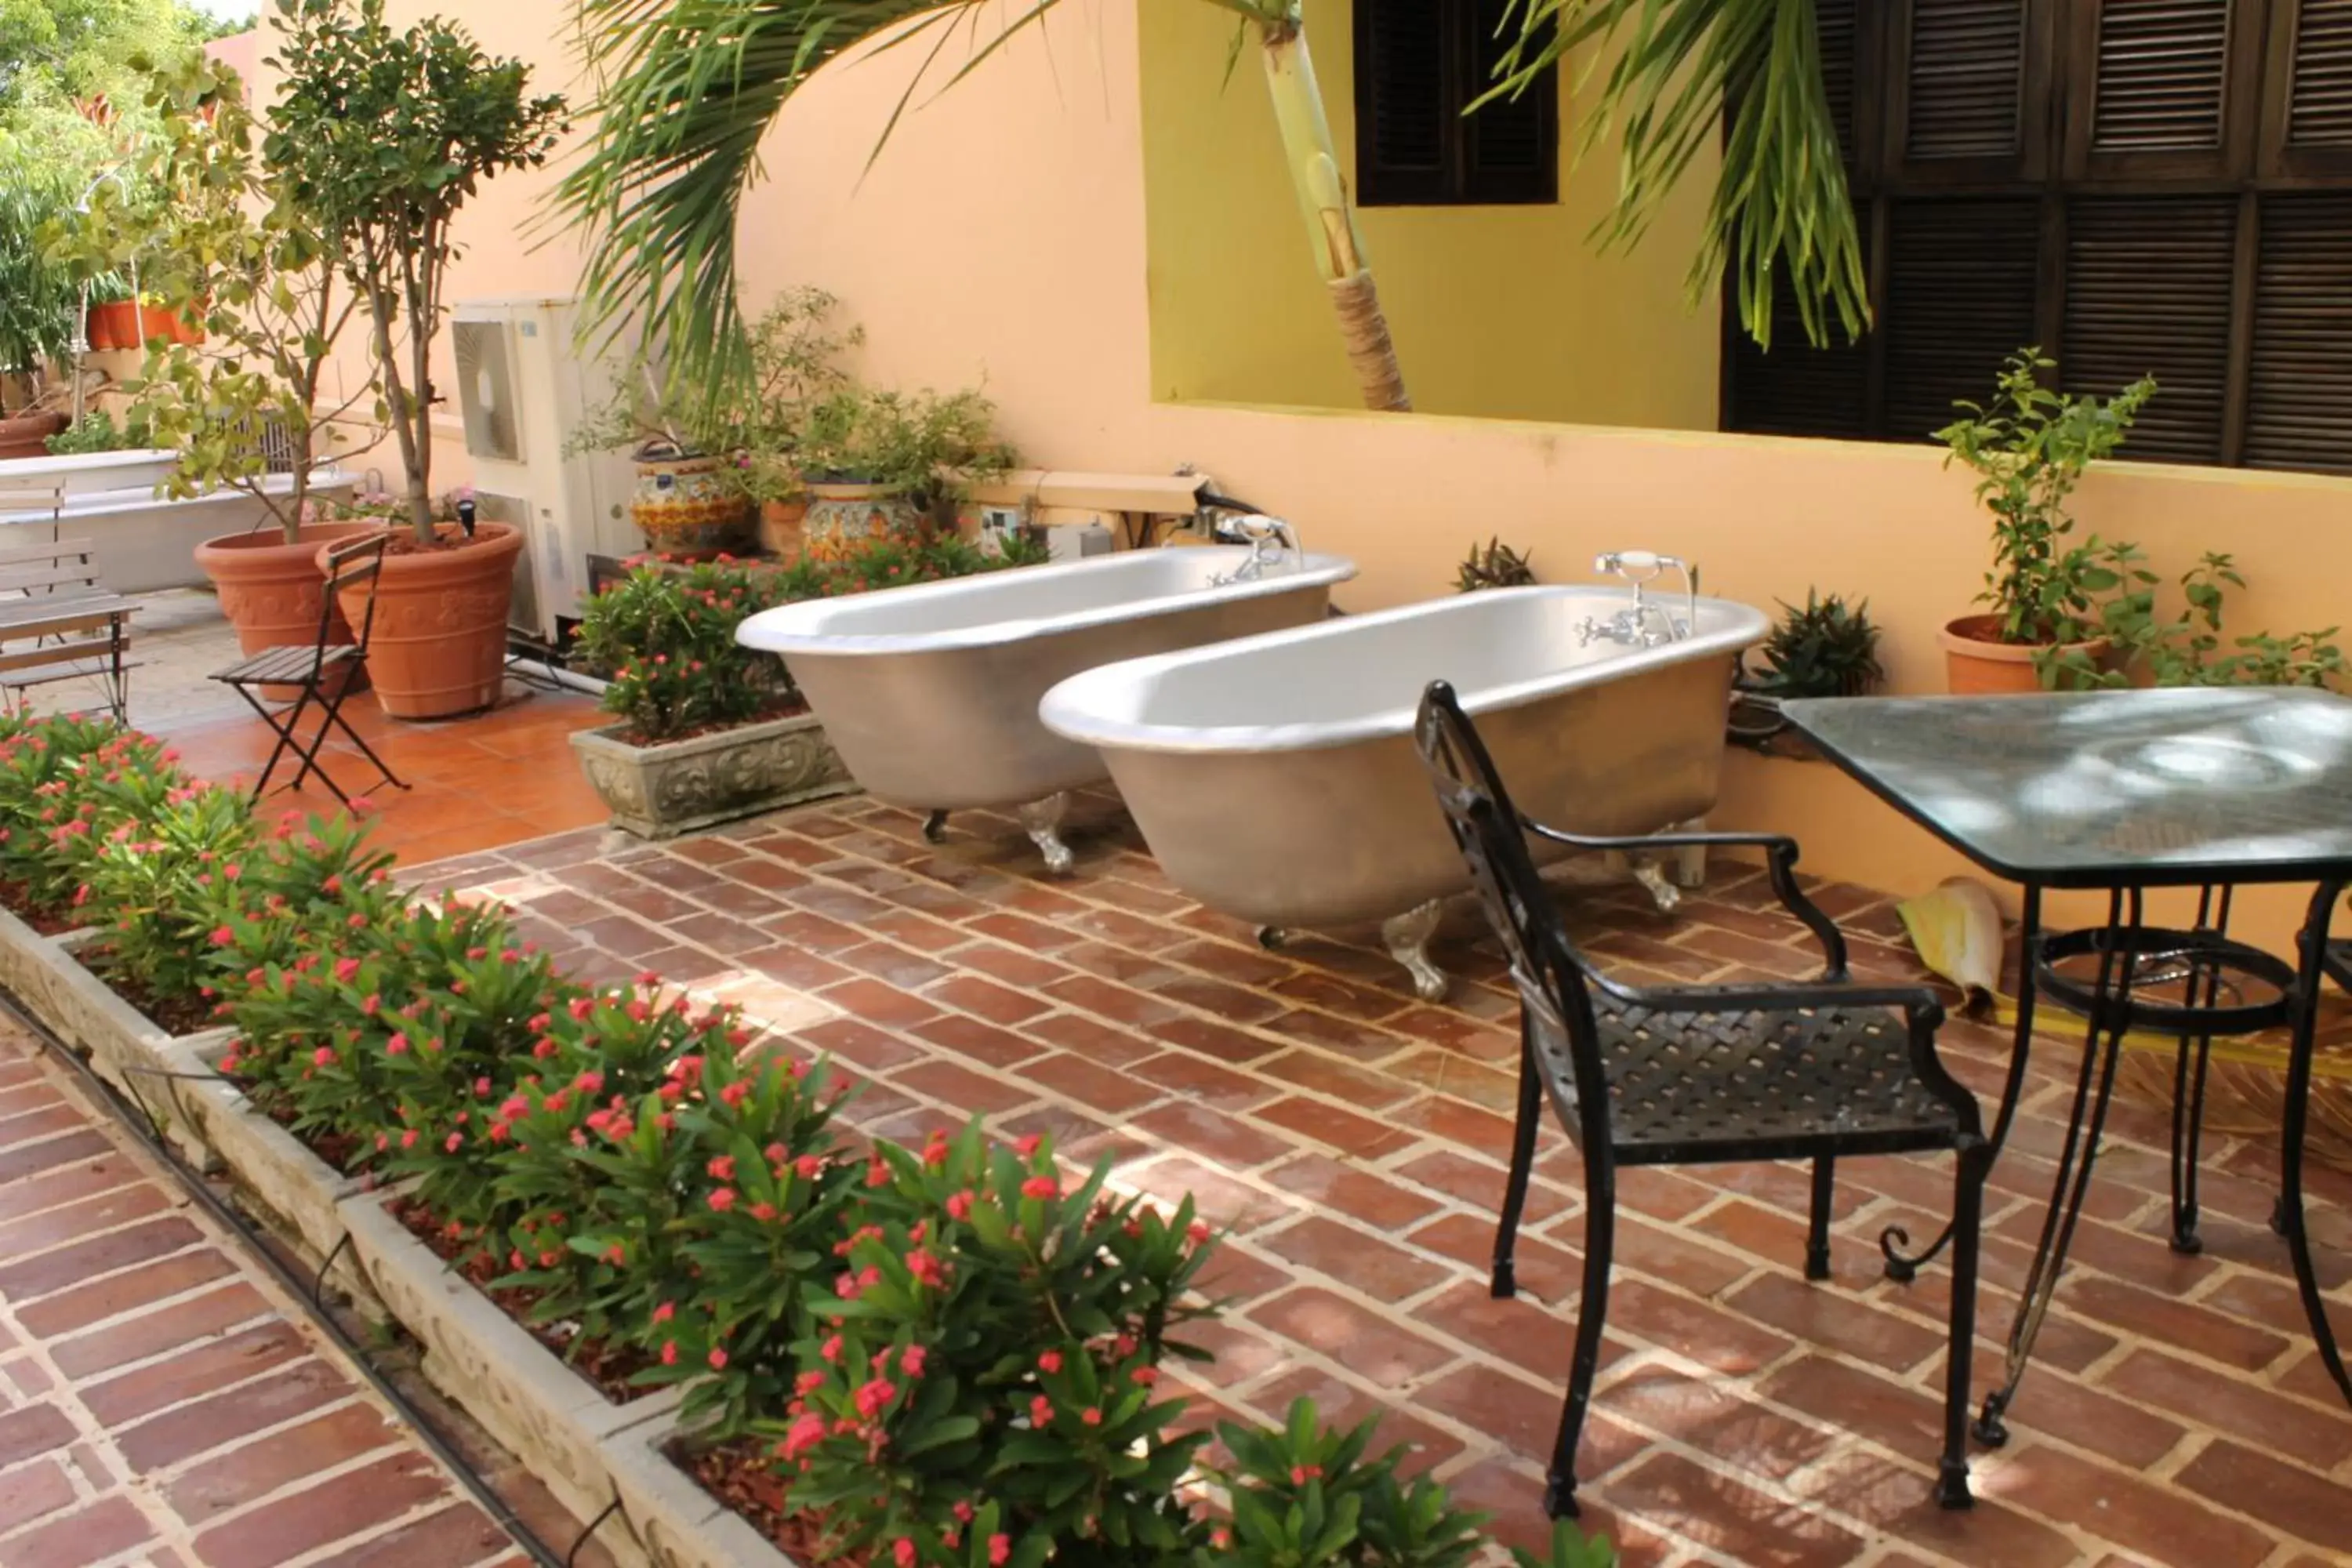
141	1124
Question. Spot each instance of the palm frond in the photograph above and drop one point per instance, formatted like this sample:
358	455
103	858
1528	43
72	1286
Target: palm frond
1689	71
686	89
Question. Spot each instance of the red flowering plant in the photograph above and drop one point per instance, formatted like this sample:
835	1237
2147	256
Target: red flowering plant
1302	1495
313	883
665	638
63	780
995	1334
149	884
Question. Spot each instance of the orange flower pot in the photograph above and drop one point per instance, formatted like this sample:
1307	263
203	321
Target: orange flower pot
439	645
272	592
1977	663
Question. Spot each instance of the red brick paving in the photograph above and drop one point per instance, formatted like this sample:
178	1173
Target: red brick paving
1353	1142
160	1402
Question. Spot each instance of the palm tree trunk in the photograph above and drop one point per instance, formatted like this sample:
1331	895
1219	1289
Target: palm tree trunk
1330	218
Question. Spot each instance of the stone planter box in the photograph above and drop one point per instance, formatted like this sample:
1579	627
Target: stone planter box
539	1409
659	792
677	1524
128	1049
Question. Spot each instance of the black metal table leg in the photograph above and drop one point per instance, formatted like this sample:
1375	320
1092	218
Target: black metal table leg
2289	1219
1902	1266
2094	1089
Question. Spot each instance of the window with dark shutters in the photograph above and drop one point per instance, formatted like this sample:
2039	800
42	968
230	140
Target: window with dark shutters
1420	64
2140	186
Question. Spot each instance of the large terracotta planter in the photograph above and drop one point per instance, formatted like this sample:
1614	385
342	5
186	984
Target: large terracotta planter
686	506
843	518
439	645
272	592
678	787
28	435
1977	663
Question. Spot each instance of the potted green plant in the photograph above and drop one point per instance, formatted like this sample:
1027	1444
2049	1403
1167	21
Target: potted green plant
1494	565
879	464
795	355
40	301
383	134
110	322
1827	648
709	729
2189	648
689	502
225	244
2030	447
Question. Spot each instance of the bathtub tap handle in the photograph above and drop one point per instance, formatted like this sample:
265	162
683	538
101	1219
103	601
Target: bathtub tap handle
1642	567
1270	539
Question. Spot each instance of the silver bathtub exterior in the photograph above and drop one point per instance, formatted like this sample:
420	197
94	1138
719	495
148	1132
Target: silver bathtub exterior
950	723
1316	830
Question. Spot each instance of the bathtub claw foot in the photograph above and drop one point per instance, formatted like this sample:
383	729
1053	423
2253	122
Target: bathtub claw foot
1273	938
1407	936
935	827
1663	891
1042	820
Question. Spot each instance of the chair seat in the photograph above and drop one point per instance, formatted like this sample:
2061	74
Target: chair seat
284	666
1759	1086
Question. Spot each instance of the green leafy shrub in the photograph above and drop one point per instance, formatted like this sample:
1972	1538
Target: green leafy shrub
2187	648
96	432
146	880
666	636
1829	649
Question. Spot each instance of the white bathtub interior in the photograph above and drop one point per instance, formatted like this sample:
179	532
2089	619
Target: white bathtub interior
1366	673
1013	604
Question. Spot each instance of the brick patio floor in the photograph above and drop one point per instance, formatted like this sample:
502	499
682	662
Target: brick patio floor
1352	1139
162	1402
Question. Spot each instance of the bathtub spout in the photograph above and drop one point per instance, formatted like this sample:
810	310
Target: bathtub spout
1407	936
1042	820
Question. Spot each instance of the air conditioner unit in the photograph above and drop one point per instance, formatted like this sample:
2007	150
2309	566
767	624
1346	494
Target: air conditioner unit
523	388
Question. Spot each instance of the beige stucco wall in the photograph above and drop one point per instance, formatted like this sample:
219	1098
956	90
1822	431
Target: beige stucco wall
1002	236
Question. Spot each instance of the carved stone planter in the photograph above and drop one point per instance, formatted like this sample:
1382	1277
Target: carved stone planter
546	1414
677	1524
658	792
129	1050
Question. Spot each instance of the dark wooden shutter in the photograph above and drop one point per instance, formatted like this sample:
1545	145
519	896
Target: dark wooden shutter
1965	79
1837	24
2319	102
1510	146
2299	405
2148	285
1961	297
2160	71
1403	131
1795	389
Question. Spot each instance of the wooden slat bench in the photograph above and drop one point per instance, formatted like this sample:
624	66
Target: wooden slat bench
58	623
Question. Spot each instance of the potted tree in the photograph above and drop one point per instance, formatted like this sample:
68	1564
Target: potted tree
384	136
2030	447
879	465
40	301
242	401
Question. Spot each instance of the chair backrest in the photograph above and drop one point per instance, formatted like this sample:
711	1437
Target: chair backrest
349	563
24	501
1549	972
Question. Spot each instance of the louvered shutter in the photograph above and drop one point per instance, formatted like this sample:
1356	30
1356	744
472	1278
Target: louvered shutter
1971	88
2155	87
1961	297
1510	146
2308	131
2299	403
1403	131
1795	389
2148	282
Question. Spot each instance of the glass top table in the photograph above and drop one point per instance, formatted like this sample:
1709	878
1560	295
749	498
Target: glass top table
2101	789
2124	791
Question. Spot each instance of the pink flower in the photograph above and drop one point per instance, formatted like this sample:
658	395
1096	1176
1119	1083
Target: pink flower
721	1167
718	1359
397	1046
1091	1416
453	1141
1051	1362
669	1353
763	1212
723	1199
809	1167
736	1093
666	1311
323	1055
960	1206
806	1432
877	1173
1041	1187
1026	1145
223	936
831	1349
911	1359
873	1396
583	1009
345	968
1000	1549
1197	1232
902	1552
408	1138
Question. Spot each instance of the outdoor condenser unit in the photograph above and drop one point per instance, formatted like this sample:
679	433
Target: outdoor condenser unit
521	387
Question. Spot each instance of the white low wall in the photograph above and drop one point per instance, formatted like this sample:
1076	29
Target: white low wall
143	542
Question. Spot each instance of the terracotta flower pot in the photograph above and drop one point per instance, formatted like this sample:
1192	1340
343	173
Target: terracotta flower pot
118	321
1977	663
439	645
845	517
98	326
272	592
780	528
28	435
156	321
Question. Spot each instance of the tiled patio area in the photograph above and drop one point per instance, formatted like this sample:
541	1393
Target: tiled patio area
1353	1139
165	1404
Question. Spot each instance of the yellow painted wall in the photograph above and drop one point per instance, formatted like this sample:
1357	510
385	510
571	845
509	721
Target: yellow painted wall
1503	311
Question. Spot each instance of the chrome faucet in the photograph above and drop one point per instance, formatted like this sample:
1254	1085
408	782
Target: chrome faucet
1272	541
1643	623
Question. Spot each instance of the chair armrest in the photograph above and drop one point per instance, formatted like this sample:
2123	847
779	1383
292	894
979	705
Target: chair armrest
1772	841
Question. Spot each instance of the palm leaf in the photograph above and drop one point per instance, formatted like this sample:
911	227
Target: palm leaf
1687	73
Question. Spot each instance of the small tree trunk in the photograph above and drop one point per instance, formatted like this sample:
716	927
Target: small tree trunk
1331	218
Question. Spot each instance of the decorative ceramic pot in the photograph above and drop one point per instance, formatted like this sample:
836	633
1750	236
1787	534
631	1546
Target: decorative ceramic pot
781	528
678	786
272	592
686	507
1977	663
439	644
28	435
842	519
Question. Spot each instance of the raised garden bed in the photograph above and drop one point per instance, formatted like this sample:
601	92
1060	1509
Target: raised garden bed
678	786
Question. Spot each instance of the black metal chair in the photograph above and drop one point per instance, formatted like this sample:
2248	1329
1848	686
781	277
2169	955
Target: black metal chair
1700	1074
324	671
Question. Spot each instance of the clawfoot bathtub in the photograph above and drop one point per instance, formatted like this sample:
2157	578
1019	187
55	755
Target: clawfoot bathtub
1274	778
929	693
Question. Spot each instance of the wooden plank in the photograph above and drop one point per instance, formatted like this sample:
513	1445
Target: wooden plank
14	623
21	581
48	550
61	653
87	669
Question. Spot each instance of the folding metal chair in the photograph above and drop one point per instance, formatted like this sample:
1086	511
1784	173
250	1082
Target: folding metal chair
353	561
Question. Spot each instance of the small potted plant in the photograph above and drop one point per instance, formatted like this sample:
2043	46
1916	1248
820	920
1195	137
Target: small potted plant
881	464
2030	448
384	133
795	355
1828	648
709	729
691	501
1494	565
